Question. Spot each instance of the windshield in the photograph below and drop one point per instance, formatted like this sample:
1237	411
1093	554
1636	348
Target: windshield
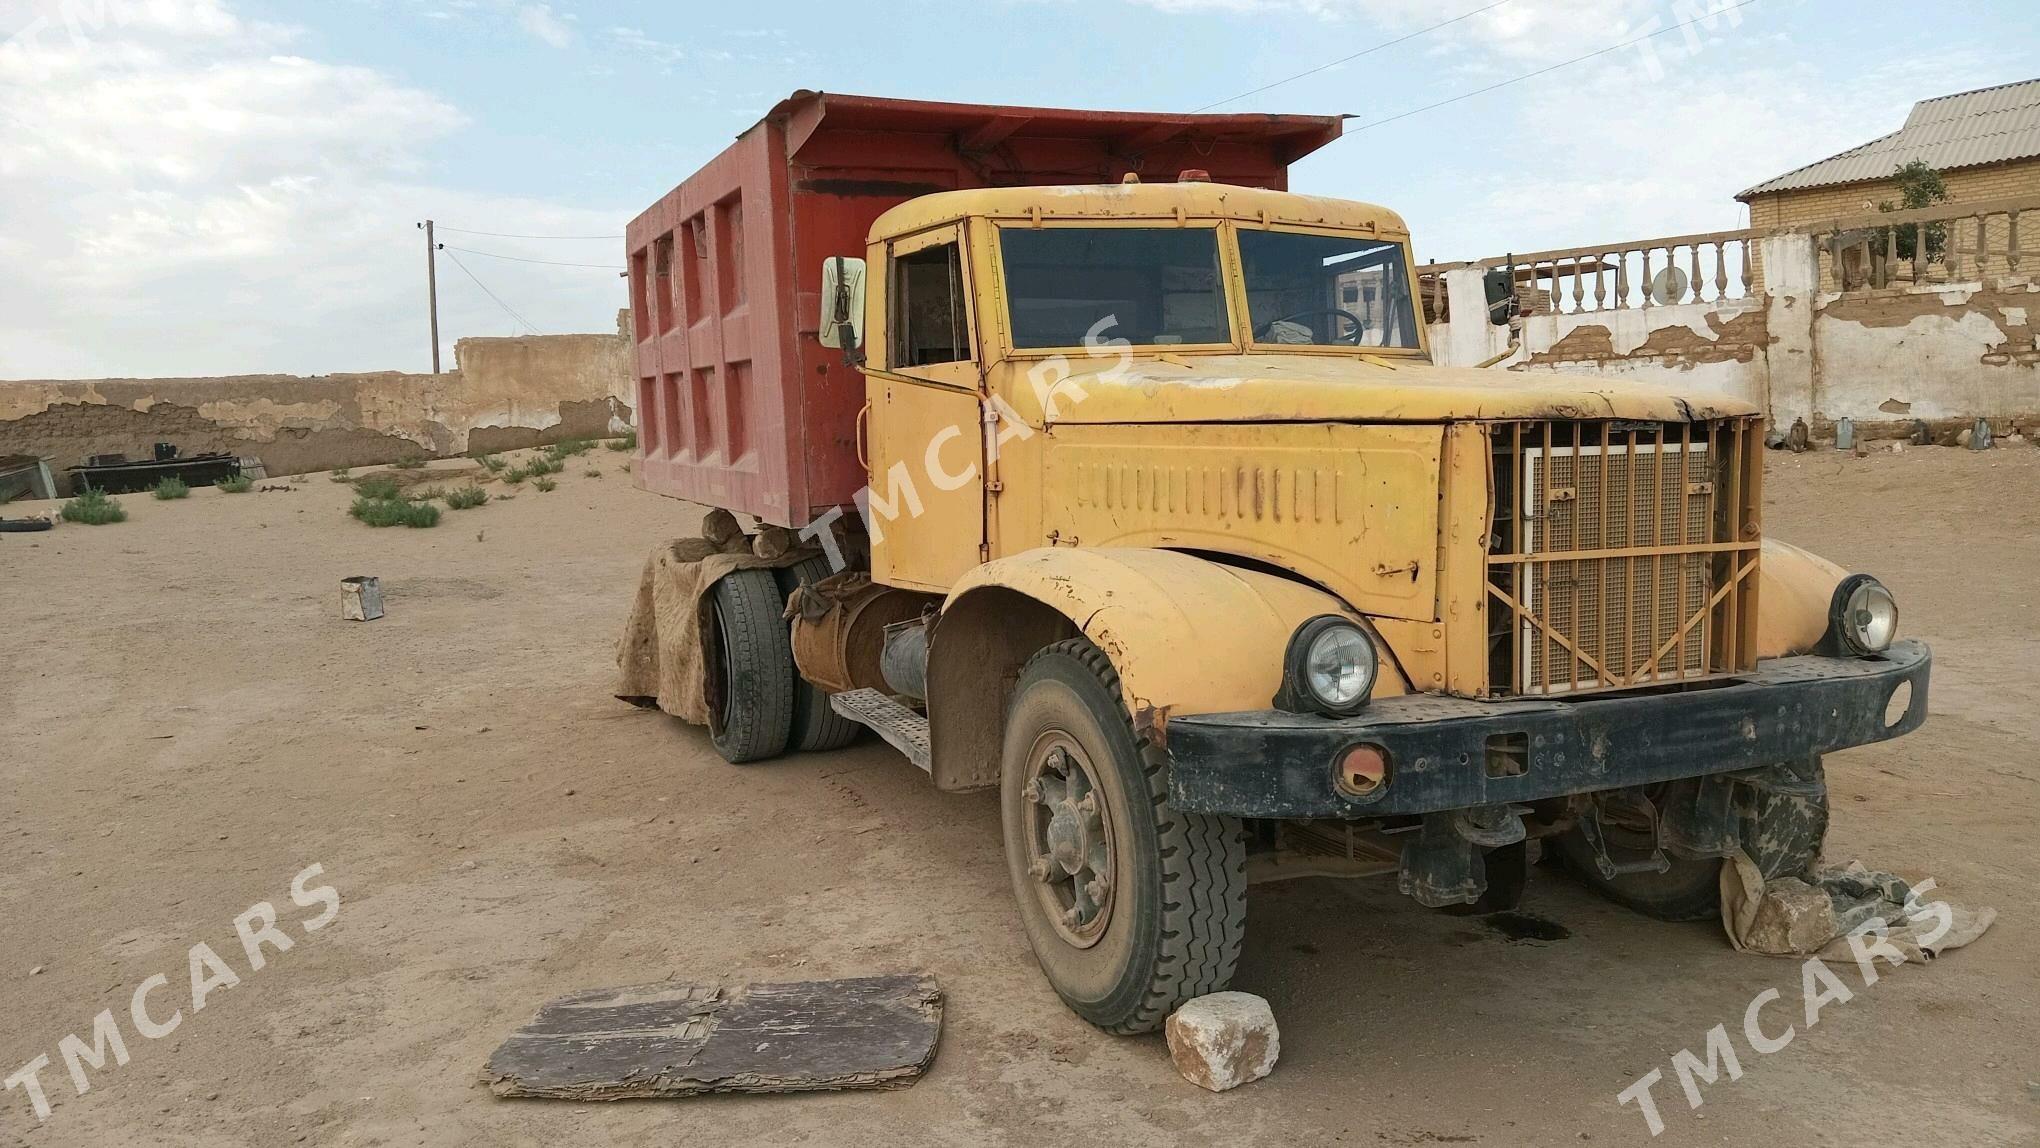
1326	290
1151	286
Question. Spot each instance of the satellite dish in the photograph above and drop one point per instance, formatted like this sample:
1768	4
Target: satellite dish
1668	286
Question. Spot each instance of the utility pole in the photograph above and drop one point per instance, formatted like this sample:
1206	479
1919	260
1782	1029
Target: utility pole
432	289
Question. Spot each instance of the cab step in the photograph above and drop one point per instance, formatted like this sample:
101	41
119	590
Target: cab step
904	729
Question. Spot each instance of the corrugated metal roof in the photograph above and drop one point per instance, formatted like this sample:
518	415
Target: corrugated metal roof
1990	125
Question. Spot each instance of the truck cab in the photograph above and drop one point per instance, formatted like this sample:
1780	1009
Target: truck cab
1173	532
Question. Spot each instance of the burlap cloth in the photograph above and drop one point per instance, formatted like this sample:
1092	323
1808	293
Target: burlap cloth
1813	914
662	658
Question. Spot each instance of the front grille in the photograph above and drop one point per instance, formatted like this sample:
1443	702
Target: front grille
1623	554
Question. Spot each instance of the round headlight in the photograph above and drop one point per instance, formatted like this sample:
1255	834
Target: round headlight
1332	665
1864	615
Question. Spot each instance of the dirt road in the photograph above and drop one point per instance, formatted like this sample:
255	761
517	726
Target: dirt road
186	723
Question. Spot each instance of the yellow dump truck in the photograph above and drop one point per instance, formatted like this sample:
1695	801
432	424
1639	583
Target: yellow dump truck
1169	528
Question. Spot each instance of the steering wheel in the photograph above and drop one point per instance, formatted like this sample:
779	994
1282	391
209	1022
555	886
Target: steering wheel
1359	326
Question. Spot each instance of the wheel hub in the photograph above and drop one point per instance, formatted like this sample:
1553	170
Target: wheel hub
1072	841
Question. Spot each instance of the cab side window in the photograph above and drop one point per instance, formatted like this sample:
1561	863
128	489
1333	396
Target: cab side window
927	321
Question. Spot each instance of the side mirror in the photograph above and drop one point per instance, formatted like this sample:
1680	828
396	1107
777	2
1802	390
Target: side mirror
1500	285
842	303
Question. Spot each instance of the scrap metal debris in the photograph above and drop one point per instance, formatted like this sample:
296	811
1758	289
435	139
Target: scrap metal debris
361	598
678	1039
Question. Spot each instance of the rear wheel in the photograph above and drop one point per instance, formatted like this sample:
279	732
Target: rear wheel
1132	907
1781	833
751	687
816	726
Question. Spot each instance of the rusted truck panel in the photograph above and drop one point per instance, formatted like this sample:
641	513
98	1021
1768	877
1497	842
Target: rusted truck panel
739	404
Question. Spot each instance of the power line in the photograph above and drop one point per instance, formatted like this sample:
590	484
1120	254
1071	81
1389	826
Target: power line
510	235
521	259
1346	59
1710	15
491	294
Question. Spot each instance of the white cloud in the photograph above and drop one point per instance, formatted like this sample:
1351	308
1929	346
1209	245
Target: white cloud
1517	29
183	196
542	23
635	40
1614	153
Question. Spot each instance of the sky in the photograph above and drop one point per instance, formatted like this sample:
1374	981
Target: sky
209	187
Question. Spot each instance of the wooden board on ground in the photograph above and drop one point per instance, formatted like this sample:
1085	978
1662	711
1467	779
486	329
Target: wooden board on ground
677	1039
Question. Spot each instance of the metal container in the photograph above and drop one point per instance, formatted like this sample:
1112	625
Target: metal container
361	598
840	648
739	404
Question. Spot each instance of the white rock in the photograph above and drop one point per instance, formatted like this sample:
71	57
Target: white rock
1224	1040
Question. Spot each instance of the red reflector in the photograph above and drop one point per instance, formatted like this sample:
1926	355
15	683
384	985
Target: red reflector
1363	769
1193	175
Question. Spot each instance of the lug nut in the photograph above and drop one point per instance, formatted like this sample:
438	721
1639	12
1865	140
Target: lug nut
1097	888
1038	868
1072	918
1032	790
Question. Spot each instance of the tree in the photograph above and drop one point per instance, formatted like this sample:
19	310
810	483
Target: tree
1919	186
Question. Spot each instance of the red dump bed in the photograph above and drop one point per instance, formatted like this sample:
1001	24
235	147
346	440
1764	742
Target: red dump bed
739	405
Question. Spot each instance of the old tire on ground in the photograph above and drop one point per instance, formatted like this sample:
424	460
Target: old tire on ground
1782	834
1083	797
751	694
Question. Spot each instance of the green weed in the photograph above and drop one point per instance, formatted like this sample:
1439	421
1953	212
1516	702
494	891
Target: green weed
94	508
381	488
391	512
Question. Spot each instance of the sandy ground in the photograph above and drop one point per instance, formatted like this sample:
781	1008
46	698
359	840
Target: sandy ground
186	722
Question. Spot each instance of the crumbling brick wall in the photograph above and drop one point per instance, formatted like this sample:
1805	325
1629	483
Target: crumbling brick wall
507	393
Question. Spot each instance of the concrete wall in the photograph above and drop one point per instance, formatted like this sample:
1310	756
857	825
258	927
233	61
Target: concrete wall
1725	346
502	394
1946	354
1943	354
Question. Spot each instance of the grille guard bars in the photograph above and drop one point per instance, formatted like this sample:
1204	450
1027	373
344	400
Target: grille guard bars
1267	763
1624	554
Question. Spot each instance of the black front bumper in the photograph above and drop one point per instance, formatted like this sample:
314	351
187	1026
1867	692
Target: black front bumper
1269	763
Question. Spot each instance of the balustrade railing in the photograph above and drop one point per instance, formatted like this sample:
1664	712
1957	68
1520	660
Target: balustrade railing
1946	243
1711	267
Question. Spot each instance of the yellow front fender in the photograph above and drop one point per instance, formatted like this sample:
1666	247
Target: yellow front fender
1186	635
1794	590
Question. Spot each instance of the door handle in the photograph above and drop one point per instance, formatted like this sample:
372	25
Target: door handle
863	455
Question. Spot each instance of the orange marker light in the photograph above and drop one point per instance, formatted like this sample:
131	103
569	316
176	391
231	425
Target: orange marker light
1363	769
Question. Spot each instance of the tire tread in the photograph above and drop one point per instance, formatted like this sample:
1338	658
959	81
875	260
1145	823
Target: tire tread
1203	871
758	663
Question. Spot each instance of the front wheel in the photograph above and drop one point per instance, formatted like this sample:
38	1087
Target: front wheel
1781	833
1132	907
